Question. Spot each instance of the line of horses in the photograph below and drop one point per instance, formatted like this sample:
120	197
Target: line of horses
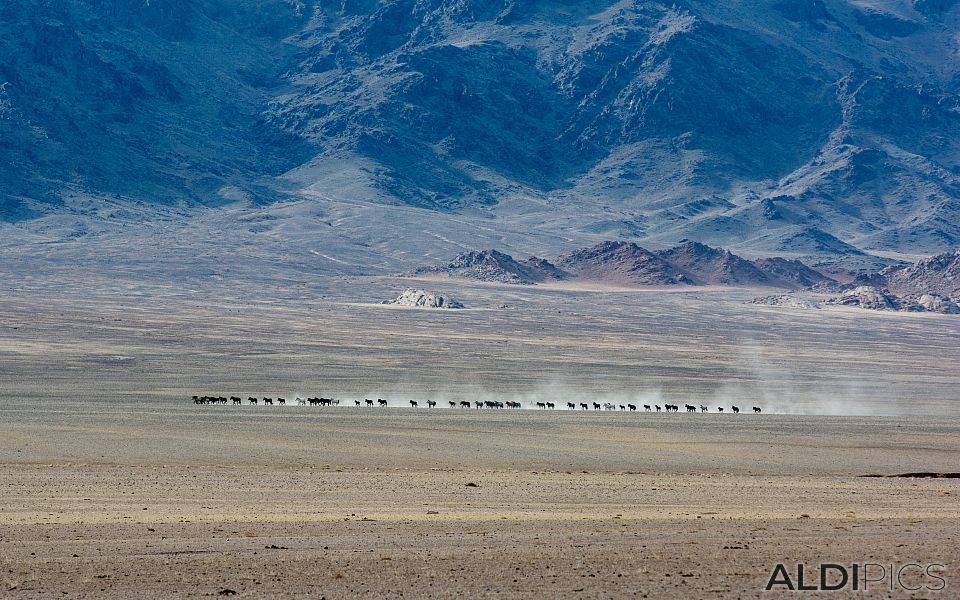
690	408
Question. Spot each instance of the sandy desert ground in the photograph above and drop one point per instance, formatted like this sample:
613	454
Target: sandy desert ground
112	484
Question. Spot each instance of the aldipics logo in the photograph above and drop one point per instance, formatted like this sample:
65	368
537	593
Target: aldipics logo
861	577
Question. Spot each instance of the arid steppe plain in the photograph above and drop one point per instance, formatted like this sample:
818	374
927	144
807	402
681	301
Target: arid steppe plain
113	484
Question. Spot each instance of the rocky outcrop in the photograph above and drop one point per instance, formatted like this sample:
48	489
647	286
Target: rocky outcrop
873	298
869	298
865	296
423	299
938	304
785	300
930	285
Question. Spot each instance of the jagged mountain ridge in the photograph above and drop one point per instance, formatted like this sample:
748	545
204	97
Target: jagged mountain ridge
808	128
626	264
815	128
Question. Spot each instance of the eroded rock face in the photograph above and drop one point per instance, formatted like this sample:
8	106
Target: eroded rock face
424	299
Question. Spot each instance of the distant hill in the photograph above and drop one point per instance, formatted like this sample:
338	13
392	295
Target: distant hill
622	263
714	266
628	265
491	265
791	271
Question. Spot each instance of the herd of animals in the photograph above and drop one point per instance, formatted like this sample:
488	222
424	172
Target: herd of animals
464	404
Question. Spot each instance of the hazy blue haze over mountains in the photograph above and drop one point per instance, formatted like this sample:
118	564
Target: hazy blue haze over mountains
805	127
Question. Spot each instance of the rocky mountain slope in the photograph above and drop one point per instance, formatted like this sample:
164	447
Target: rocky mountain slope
148	102
820	129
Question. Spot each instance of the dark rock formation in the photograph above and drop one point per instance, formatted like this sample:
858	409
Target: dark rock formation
715	266
622	263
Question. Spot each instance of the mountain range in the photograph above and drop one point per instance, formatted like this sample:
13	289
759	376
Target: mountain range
625	264
827	130
931	284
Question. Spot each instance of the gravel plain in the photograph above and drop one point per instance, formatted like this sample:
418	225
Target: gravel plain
113	484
